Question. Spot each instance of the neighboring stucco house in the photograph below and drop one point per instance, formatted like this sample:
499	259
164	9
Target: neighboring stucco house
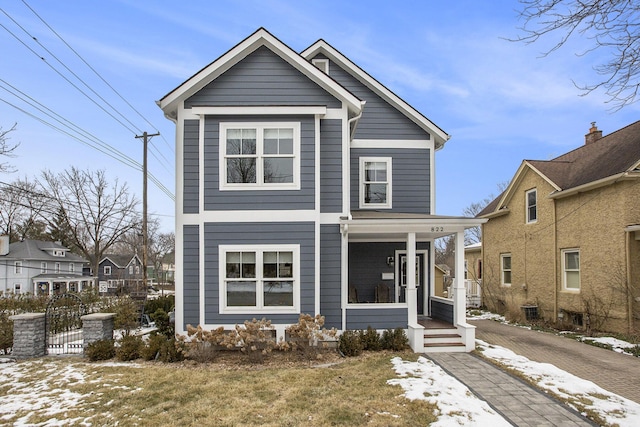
41	268
306	186
118	272
565	236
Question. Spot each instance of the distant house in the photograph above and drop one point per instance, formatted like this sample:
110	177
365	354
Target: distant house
40	267
304	185
564	237
120	273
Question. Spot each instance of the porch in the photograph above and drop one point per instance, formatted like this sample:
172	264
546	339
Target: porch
388	278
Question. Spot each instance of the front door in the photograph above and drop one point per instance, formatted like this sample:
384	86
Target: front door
401	274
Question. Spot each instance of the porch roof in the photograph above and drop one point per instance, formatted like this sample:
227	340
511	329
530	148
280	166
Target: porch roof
396	225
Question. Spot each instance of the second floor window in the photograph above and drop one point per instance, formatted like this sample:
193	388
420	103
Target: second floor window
505	269
18	267
532	206
107	270
72	268
375	182
571	269
43	267
259	156
57	267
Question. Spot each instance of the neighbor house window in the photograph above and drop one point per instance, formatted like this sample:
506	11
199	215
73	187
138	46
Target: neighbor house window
264	278
43	267
57	267
18	267
532	206
259	156
571	269
72	268
375	182
137	269
505	269
17	288
107	270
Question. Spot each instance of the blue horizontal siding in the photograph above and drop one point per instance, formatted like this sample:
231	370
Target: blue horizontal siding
330	275
191	275
388	318
331	166
191	165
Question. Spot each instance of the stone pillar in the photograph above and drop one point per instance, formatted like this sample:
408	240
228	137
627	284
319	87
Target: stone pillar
29	335
97	326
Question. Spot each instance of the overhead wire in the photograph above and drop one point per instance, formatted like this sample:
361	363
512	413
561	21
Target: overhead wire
163	188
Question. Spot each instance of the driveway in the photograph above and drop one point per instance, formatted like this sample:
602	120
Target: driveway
615	372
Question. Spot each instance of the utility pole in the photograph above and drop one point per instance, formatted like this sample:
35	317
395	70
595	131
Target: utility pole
145	140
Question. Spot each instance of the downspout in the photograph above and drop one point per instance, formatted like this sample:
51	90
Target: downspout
627	241
555	263
355	119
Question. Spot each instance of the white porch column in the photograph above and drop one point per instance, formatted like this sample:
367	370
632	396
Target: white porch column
459	297
412	292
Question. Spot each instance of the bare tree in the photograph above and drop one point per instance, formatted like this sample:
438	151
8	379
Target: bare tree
612	26
21	209
98	213
474	234
7	149
161	245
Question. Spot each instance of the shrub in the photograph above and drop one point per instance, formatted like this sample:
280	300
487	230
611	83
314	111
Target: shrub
306	335
166	303
350	344
103	349
254	338
202	345
163	349
161	319
370	339
395	340
130	347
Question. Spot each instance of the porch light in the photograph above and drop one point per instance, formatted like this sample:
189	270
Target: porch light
390	260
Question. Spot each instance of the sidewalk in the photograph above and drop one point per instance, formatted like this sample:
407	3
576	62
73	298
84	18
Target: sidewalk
614	372
518	402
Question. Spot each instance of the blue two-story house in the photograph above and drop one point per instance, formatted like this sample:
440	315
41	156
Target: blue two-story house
306	186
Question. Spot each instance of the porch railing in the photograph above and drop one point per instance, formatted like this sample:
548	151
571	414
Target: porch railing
473	291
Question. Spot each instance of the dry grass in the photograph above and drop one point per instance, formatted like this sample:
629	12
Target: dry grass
281	392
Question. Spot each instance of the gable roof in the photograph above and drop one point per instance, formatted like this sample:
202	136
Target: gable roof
38	250
322	47
597	163
171	101
119	260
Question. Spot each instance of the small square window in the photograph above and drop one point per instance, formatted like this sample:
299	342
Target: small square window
107	270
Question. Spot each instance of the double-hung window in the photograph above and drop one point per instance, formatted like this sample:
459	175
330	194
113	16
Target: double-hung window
532	206
107	270
571	269
259	278
18	267
375	182
43	267
259	156
505	269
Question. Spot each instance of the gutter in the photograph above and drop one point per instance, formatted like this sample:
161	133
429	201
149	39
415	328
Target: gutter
593	185
355	120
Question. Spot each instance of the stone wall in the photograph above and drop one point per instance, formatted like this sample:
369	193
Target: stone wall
29	336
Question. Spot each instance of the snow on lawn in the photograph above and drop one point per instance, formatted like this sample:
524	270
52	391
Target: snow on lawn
616	345
457	406
581	394
48	397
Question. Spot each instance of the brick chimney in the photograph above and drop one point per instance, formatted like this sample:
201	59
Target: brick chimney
593	135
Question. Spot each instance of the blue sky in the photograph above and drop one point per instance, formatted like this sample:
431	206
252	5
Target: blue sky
500	101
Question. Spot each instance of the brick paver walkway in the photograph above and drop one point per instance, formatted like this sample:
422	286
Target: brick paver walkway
518	402
614	372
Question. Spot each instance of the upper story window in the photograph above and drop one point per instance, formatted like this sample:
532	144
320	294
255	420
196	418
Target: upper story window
322	64
57	267
532	205
505	269
58	252
137	269
72	267
259	156
131	269
375	182
18	267
260	278
571	269
107	270
43	267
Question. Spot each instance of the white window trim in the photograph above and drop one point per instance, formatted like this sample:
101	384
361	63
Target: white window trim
259	250
72	267
526	205
502	269
388	204
106	270
17	288
260	127
43	267
18	267
563	252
